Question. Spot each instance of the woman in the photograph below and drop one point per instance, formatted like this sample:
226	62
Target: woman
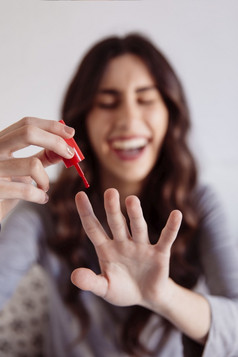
131	121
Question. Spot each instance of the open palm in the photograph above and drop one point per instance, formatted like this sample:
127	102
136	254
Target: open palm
133	272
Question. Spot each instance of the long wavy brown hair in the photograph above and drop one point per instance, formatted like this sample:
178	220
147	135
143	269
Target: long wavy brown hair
170	184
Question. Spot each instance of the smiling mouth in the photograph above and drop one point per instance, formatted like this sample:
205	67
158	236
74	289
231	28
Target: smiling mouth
129	149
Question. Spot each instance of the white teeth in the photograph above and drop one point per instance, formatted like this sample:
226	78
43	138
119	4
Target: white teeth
129	144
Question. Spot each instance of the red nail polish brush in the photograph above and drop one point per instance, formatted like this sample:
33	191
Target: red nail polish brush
74	161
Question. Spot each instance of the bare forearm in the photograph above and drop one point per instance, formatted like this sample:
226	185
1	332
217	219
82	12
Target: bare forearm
186	310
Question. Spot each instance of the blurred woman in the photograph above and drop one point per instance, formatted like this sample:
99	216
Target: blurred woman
158	289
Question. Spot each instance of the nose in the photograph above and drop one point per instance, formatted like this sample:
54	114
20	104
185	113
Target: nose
128	115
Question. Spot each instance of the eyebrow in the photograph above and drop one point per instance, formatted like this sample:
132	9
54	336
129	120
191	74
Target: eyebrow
116	92
144	89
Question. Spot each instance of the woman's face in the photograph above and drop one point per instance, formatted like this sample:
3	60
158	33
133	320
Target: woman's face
128	121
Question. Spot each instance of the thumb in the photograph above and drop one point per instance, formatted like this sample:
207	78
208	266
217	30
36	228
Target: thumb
48	157
86	279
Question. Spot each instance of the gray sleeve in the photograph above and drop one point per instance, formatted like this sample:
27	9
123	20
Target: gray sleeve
18	248
218	253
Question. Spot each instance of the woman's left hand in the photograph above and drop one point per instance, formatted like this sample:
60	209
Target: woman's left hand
133	271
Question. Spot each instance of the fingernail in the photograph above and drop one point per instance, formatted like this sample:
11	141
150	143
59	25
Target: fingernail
46	198
69	130
70	151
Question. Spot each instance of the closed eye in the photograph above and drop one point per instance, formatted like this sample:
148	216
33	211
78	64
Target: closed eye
146	101
112	105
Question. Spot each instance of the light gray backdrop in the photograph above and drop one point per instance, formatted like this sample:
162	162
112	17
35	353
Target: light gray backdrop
42	41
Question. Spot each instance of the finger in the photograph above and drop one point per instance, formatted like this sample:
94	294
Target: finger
51	126
30	166
138	224
90	223
115	218
170	231
22	191
32	135
86	279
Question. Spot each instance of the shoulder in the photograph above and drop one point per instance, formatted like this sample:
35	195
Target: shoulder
214	230
207	202
27	218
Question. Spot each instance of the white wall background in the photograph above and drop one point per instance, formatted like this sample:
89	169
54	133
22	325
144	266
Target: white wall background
41	43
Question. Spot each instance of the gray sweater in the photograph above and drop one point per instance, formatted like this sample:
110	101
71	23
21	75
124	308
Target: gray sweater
23	242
